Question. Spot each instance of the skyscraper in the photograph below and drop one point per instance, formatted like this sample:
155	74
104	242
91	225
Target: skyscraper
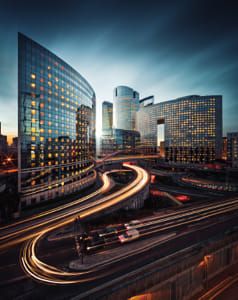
56	125
120	140
107	111
190	127
125	106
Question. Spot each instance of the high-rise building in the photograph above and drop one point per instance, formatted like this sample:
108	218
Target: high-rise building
107	111
147	101
190	127
232	149
120	140
224	148
125	106
56	125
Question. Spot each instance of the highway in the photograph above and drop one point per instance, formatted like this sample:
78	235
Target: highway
184	227
13	235
22	230
50	274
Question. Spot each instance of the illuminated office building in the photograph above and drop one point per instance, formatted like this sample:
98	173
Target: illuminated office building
120	140
125	106
224	148
107	109
189	128
232	149
56	125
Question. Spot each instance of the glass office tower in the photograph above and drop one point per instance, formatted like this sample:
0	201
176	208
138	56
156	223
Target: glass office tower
56	125
123	140
107	109
192	128
125	106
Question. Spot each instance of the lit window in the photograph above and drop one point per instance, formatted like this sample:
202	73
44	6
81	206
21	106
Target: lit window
33	76
33	85
42	139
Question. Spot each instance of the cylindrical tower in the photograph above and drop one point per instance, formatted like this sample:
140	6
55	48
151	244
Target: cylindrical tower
125	106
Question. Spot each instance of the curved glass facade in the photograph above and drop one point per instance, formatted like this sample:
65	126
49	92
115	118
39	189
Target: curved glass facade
125	106
56	124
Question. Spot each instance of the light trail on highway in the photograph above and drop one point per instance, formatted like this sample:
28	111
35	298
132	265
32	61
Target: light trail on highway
131	189
52	275
7	233
64	218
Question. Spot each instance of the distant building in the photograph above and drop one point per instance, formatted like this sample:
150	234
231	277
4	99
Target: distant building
125	106
3	145
57	108
120	140
147	101
232	149
190	127
107	116
224	148
15	142
13	152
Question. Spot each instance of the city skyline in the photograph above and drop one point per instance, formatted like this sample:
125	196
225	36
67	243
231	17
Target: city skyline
121	181
161	50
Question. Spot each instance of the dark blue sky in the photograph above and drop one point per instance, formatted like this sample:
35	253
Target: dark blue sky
165	48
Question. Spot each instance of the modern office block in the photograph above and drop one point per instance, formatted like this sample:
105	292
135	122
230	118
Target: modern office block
224	148
107	112
232	149
125	106
56	125
147	101
120	140
190	127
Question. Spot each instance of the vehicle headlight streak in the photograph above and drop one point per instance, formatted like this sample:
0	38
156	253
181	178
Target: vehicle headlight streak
5	236
49	274
43	272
